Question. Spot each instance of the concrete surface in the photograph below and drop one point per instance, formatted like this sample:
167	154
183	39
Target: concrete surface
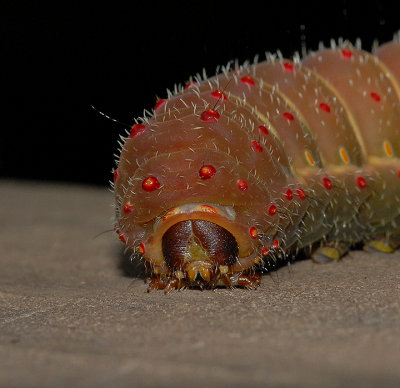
71	316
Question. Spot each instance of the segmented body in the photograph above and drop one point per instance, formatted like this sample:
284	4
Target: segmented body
281	154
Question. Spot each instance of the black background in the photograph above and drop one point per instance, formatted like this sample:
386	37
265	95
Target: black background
59	59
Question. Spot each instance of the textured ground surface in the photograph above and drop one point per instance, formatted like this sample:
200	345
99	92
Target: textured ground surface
70	316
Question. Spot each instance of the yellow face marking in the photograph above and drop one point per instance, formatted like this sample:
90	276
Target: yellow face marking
309	158
344	155
170	213
207	209
388	148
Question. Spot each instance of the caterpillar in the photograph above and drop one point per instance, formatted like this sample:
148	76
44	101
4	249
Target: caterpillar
232	174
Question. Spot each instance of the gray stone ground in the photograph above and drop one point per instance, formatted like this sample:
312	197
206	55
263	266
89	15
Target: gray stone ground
70	316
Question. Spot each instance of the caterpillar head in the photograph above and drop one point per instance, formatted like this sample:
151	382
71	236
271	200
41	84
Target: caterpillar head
196	244
201	245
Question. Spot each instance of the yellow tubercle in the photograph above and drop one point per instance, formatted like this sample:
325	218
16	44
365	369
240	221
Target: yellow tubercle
388	148
344	155
309	158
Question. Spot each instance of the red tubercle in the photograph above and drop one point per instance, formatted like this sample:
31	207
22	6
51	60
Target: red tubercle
190	84
264	251
361	182
137	130
160	103
272	210
207	171
288	66
242	185
375	96
115	175
300	192
142	248
346	53
253	232
263	129
327	183
218	94
325	107
398	174
210	115
288	116
247	80
151	183
256	146
128	208
275	244
121	237
289	194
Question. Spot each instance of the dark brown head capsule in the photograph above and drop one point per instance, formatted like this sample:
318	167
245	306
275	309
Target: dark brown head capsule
199	249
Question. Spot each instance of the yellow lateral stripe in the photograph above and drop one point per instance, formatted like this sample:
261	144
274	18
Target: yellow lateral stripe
350	116
259	115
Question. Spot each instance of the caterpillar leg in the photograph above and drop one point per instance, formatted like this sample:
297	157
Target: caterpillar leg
166	284
382	244
249	281
328	253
